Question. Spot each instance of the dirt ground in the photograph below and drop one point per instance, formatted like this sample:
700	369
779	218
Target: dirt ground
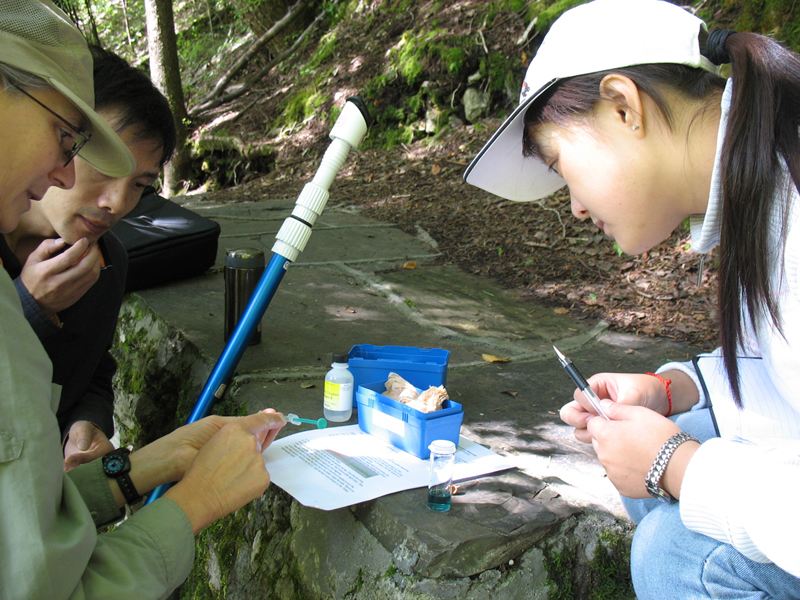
538	249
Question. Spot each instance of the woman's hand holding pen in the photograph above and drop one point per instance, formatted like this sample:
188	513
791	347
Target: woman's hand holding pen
628	443
623	388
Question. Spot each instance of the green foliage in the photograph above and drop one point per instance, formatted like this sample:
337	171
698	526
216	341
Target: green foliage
416	52
779	19
548	11
402	6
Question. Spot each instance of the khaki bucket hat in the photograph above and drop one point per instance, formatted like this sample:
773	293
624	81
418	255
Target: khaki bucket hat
39	38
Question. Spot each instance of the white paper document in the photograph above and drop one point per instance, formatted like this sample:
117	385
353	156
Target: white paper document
341	466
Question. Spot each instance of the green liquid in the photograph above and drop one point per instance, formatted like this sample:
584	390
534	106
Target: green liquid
439	500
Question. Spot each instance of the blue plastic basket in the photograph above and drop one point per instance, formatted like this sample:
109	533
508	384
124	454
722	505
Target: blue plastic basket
421	367
404	427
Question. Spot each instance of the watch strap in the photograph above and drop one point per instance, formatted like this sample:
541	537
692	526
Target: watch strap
127	488
653	480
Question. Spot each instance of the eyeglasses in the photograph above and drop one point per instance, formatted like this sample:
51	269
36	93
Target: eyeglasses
77	144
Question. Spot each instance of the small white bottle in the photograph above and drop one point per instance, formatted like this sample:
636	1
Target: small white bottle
338	390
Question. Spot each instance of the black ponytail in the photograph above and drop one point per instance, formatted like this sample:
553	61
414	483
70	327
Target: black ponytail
761	137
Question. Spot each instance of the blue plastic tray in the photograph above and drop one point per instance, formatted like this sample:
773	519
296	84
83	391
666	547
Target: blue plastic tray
404	427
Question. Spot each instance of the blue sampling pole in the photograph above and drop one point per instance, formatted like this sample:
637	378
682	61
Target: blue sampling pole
291	240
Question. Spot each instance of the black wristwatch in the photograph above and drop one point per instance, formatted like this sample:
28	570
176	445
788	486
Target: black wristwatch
117	465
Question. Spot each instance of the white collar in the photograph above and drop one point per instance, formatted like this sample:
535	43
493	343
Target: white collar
706	228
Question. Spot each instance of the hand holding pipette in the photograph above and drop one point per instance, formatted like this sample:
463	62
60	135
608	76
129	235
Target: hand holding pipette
295	420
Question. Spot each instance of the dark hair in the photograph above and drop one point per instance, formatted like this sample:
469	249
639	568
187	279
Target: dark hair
120	86
761	134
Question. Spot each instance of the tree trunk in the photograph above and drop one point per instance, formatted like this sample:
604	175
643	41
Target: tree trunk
261	16
165	73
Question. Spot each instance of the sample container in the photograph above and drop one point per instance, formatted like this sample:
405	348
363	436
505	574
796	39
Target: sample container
443	454
242	270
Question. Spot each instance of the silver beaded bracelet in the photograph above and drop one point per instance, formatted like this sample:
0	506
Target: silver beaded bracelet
653	480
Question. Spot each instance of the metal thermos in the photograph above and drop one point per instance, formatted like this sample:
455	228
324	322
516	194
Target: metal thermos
243	269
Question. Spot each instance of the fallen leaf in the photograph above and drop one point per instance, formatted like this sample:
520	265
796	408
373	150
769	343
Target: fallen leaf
410	265
436	169
511	393
492	358
307	384
561	311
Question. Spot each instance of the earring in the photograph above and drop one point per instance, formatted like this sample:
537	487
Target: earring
634	127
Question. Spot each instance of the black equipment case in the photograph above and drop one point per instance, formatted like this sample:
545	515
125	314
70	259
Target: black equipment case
165	242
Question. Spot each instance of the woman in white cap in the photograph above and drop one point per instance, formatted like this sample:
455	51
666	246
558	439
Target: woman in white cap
48	540
626	104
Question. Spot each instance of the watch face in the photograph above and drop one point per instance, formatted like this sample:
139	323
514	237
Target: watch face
114	464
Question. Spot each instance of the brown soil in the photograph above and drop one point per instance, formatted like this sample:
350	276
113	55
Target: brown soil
539	249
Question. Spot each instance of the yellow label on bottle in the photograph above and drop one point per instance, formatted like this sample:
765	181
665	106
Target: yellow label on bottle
332	395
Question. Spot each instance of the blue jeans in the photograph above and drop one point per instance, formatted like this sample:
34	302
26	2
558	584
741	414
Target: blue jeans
669	561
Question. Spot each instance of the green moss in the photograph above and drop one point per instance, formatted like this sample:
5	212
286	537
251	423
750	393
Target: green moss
559	567
223	538
418	50
454	59
325	50
501	71
610	568
303	105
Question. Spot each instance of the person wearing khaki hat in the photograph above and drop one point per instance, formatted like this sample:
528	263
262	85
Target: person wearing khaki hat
49	544
651	120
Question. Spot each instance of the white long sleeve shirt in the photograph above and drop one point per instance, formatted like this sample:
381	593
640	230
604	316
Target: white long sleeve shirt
743	487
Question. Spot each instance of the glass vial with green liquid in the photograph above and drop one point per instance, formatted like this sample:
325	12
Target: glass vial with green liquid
338	405
443	455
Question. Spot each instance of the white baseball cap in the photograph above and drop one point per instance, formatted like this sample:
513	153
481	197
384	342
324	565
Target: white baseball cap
39	38
597	36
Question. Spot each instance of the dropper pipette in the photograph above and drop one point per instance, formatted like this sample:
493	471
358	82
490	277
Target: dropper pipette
295	420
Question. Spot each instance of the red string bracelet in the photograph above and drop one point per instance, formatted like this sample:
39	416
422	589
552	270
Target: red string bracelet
666	383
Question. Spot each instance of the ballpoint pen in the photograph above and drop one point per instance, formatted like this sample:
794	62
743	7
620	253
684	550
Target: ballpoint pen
580	382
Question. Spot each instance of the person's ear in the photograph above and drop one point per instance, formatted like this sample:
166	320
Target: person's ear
624	101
